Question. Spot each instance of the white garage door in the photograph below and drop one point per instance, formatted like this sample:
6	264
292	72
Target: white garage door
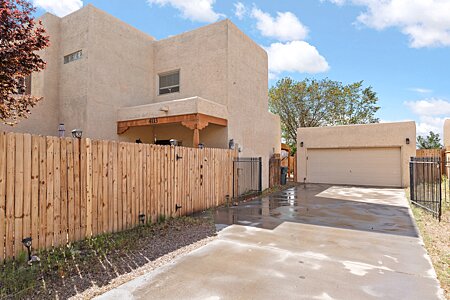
355	166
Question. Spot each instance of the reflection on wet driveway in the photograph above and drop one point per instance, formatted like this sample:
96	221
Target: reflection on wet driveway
378	210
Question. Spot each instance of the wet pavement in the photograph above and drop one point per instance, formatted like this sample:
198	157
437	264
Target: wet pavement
307	242
379	210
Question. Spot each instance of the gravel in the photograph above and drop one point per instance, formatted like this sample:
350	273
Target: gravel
149	267
92	267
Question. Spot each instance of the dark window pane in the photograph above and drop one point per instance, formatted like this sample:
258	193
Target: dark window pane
73	56
169	83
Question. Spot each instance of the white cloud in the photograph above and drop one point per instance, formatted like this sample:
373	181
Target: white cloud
240	10
194	10
431	113
426	22
295	56
421	90
429	107
337	2
59	7
427	124
285	27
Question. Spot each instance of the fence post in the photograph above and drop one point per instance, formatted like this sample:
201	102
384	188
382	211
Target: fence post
411	179
260	174
440	190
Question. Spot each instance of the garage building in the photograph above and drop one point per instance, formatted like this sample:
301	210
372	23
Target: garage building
366	155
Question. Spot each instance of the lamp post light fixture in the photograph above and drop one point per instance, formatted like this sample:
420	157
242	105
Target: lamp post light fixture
142	218
77	133
231	144
27	243
301	144
407	141
61	130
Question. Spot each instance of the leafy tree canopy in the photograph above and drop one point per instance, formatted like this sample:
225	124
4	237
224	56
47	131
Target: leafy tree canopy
431	141
20	39
313	103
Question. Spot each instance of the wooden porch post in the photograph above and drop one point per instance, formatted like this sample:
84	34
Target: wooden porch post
196	140
196	126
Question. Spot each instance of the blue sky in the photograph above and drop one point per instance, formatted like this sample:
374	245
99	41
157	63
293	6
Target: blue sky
399	47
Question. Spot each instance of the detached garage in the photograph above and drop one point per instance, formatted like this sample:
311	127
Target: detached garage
367	155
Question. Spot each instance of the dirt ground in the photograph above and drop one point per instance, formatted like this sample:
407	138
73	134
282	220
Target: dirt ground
436	236
66	272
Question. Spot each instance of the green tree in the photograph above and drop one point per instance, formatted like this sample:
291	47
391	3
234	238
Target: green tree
21	37
314	103
431	141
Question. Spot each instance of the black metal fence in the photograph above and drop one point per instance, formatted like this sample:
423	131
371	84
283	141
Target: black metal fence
426	184
247	177
446	185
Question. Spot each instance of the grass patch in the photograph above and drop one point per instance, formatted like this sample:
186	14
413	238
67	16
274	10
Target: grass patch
64	272
436	236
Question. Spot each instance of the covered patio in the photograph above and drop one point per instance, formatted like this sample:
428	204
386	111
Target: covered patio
194	113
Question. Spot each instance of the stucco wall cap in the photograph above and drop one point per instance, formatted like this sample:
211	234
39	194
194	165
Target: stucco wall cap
347	127
189	105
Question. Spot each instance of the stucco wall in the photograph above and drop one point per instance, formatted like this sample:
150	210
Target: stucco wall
120	71
201	57
358	136
446	138
44	117
256	130
73	76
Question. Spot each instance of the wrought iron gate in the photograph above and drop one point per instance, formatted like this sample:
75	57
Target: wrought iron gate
247	177
426	184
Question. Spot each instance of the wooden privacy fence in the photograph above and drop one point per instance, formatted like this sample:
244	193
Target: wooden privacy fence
60	190
274	170
440	153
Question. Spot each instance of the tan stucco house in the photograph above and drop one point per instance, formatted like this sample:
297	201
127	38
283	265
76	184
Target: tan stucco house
115	82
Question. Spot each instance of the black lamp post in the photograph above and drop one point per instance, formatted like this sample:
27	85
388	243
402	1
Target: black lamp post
142	219
27	243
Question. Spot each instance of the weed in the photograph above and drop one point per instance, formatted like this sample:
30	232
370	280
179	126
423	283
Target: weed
161	218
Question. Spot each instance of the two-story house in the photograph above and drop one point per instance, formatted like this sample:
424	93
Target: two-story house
115	82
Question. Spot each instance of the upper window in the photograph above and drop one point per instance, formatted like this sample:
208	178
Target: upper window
73	56
24	85
169	82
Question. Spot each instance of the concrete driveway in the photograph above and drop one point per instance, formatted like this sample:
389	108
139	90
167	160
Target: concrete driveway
313	242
